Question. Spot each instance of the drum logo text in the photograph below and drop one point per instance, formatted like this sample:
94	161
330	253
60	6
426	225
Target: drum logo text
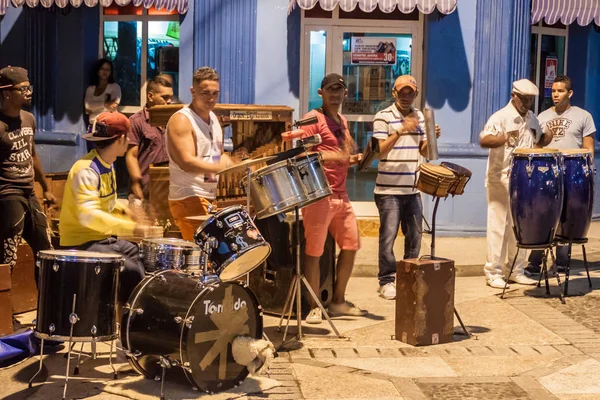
211	308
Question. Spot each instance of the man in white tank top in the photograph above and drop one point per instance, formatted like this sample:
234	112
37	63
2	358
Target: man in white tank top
195	148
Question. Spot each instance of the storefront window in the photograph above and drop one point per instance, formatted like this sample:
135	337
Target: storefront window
140	47
318	49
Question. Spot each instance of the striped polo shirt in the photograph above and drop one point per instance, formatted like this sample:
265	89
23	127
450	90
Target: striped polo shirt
397	171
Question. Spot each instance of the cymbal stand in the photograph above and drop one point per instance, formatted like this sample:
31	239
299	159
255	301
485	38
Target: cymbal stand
295	294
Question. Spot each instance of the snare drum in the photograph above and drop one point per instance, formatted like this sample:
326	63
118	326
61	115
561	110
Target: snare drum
85	280
536	195
159	254
579	188
237	245
276	189
192	324
462	175
435	180
313	177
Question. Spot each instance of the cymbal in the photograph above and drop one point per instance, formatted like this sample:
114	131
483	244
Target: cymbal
199	217
246	163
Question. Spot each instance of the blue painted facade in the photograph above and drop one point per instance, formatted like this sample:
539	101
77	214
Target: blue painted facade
472	56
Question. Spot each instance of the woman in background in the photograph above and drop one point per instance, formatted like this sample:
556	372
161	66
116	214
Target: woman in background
103	94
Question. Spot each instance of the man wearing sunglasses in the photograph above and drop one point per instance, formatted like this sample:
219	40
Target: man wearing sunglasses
514	126
195	148
91	218
146	142
19	167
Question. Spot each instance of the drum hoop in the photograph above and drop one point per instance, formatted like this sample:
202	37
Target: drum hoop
216	215
259	320
525	152
75	255
270	168
231	260
576	152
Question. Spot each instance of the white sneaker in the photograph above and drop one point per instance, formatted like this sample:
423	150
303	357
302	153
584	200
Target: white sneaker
315	316
497	283
521	279
387	291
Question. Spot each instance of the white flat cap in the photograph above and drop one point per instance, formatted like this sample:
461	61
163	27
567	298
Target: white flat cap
525	87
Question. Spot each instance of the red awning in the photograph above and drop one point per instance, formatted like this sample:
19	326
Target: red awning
565	11
387	6
180	5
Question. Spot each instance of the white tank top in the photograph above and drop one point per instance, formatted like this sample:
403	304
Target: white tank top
209	146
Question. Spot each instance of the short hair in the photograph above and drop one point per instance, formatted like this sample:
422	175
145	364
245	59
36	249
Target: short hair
564	79
103	144
158	81
97	65
205	74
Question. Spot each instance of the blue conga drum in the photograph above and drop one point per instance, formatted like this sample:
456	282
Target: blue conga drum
536	195
578	181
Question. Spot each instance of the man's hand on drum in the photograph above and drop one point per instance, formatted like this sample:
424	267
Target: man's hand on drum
409	124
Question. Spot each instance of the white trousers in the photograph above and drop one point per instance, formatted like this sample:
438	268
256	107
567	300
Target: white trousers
501	241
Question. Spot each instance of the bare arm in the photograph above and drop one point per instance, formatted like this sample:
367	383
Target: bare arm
41	178
135	173
492	141
182	149
588	144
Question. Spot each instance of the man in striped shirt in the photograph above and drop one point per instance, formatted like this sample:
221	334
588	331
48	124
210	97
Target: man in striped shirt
400	129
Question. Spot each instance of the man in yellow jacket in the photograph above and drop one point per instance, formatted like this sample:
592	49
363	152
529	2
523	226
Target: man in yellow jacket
91	218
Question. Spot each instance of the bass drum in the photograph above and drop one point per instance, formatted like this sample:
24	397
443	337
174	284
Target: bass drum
192	324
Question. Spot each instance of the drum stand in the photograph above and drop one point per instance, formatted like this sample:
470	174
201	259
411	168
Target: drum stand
432	257
295	294
73	318
569	242
547	249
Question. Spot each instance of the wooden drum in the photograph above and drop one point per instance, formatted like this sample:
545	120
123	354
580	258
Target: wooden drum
435	180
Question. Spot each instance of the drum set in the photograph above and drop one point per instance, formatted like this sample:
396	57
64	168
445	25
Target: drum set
193	303
551	203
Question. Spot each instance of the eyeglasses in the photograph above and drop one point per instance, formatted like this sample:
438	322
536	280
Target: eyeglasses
24	89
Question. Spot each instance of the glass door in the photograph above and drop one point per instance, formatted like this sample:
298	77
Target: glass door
316	52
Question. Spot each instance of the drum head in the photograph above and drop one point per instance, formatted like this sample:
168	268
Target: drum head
436	170
78	255
219	316
457	169
575	152
245	263
535	152
174	242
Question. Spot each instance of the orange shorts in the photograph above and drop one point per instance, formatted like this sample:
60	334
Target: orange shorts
335	215
190	206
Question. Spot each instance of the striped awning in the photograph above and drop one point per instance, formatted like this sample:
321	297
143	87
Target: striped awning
565	11
180	5
387	6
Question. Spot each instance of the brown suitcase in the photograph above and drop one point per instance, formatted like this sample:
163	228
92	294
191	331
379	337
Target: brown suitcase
6	326
425	301
24	289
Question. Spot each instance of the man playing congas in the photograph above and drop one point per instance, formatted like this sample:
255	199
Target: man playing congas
572	128
91	217
333	214
400	129
195	148
514	126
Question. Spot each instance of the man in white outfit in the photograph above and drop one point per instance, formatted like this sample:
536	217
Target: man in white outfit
514	126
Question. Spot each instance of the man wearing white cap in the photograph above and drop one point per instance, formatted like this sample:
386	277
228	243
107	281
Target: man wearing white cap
514	126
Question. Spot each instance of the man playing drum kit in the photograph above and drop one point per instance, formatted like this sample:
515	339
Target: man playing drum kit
514	126
572	128
91	216
19	167
400	129
195	148
332	214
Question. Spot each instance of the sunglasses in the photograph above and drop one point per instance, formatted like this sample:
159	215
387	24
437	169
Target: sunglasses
23	89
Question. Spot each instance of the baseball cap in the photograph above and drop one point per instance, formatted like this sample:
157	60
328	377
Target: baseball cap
333	79
404	81
108	125
11	76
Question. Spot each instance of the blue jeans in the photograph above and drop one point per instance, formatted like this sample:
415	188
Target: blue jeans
405	211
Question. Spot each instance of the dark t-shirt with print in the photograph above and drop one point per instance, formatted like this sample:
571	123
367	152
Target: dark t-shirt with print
16	154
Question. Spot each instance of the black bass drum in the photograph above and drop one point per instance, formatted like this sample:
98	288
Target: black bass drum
192	325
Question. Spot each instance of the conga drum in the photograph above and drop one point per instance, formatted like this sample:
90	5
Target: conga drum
578	182
536	195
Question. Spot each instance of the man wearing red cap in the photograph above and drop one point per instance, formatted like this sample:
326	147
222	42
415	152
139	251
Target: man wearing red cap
19	167
91	217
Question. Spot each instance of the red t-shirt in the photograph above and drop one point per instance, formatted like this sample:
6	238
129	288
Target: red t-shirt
334	137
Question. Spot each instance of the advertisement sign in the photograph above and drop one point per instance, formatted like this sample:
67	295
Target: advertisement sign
373	51
241	115
550	73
